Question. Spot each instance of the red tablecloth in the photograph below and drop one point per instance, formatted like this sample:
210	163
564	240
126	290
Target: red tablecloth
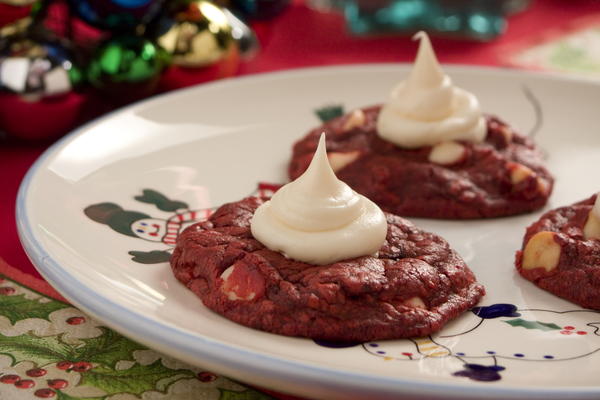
301	37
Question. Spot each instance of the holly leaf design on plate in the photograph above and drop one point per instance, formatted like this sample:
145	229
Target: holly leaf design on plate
161	201
17	307
29	347
245	395
150	257
543	326
135	380
330	112
106	349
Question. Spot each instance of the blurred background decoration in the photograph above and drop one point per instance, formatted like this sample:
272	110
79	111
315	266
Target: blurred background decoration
471	19
63	62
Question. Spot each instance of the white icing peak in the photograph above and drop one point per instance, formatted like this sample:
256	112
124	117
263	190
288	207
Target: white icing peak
596	208
317	200
427	108
428	91
318	219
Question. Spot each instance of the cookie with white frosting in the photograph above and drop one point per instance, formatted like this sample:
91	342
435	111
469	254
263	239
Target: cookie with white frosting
431	152
319	260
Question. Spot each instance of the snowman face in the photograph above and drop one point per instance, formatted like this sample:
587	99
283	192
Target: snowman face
151	229
534	335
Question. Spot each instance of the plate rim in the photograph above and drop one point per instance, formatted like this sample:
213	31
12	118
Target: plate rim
142	329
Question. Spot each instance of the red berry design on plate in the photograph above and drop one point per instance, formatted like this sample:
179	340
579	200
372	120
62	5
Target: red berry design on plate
82	366
206	376
569	328
64	365
36	372
581	332
75	320
25	384
6	291
57	383
10	379
45	393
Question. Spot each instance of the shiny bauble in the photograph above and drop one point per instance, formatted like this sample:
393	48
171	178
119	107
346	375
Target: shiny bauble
127	67
38	75
18	3
35	67
245	36
259	9
10	12
44	119
199	37
198	34
116	15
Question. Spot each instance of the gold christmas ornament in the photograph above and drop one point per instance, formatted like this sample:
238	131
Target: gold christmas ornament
18	3
200	34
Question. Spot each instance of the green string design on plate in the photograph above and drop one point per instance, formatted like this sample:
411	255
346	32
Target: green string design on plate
543	326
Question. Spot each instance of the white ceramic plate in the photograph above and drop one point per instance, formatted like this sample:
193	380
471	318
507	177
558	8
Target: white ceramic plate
211	144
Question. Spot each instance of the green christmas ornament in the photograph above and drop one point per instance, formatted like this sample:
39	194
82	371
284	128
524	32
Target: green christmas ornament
127	67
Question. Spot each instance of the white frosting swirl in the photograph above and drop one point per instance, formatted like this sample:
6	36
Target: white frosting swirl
318	219
427	108
596	207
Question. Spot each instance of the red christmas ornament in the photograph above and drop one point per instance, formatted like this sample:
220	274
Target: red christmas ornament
45	119
37	79
10	13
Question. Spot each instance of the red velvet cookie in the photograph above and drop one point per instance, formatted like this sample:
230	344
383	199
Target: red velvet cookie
504	175
558	258
413	287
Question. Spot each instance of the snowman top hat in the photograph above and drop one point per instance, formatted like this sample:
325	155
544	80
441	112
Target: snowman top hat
114	216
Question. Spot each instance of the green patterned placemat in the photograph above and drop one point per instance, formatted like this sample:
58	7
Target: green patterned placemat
49	349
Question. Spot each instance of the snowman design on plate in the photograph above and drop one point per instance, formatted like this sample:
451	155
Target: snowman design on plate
164	231
528	335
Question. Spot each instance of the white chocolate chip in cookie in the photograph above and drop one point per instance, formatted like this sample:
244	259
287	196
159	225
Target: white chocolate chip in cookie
543	186
230	289
519	172
339	160
447	153
355	120
591	229
227	273
415	302
541	251
507	133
